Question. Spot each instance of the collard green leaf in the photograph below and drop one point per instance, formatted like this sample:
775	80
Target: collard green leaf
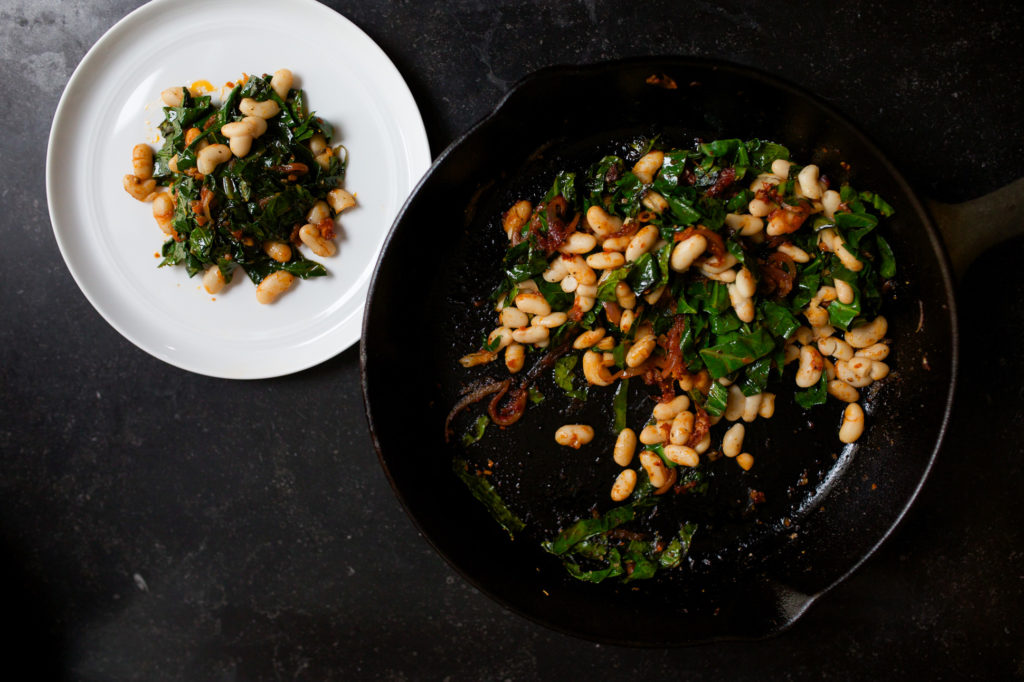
484	492
815	395
736	351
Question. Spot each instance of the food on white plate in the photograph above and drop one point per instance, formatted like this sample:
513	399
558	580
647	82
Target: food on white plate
245	183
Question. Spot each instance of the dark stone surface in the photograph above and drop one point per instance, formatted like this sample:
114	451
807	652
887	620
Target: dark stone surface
159	525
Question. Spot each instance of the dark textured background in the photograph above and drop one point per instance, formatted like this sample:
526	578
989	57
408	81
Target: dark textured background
159	525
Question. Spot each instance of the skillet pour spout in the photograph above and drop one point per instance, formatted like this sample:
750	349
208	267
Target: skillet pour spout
828	506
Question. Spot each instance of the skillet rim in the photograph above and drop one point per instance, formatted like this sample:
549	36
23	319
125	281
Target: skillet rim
934	239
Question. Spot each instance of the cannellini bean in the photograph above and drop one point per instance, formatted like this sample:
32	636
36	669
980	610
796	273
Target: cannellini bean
266	109
655	295
624	484
607	359
857	379
767	410
759	208
687	251
578	268
213	280
533	334
745	460
240	145
259	126
279	251
516	217
669	409
641	242
853	423
655	202
735	404
513	318
210	157
830	201
745	224
780	169
656	470
556	271
746	286
835	347
648	165
142	161
726	263
515	357
605	344
682	428
163	211
829	369
588	338
843	391
878	351
816	315
879	370
340	200
551	321
606	260
574	435
792	352
625	296
640	351
616	243
501	335
682	455
533	303
273	285
811	366
625	446
243	128
803	335
594	370
626	320
732	441
480	357
793	251
139	189
601	222
584	303
527	285
655	433
807	178
848	260
726	277
173	97
868	334
310	236
569	284
743	305
751	407
822	332
281	82
704	444
763	181
578	242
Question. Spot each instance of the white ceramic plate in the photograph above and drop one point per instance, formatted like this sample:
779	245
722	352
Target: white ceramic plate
108	239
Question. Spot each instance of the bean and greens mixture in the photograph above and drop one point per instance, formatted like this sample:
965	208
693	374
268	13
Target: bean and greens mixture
249	181
702	273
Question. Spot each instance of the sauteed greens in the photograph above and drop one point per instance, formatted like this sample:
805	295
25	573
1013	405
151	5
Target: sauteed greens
702	272
251	180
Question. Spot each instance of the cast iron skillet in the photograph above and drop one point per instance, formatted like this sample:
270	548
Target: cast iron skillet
753	569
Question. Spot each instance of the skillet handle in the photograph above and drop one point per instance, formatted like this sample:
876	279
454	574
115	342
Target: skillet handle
972	227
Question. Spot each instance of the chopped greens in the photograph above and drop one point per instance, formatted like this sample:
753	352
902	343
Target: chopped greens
703	271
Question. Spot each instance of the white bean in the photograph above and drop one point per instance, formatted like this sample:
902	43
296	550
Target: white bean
687	251
616	243
513	318
578	268
759	208
745	224
746	286
857	379
606	260
655	202
266	109
808	181
273	285
843	391
641	242
811	366
588	338
277	250
213	280
584	303
173	97
210	157
163	212
656	470
640	351
735	404
142	161
732	441
601	222
625	446
501	335
751	407
578	242
340	200
830	201
878	351
835	347
780	169
515	217
281	82
551	321
669	410
240	145
682	428
868	334
767	410
743	305
533	303
625	296
655	433
594	370
574	435
143	190
624	484
556	271
310	236
515	357
532	334
853	423
682	455
879	370
648	165
745	460
793	251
